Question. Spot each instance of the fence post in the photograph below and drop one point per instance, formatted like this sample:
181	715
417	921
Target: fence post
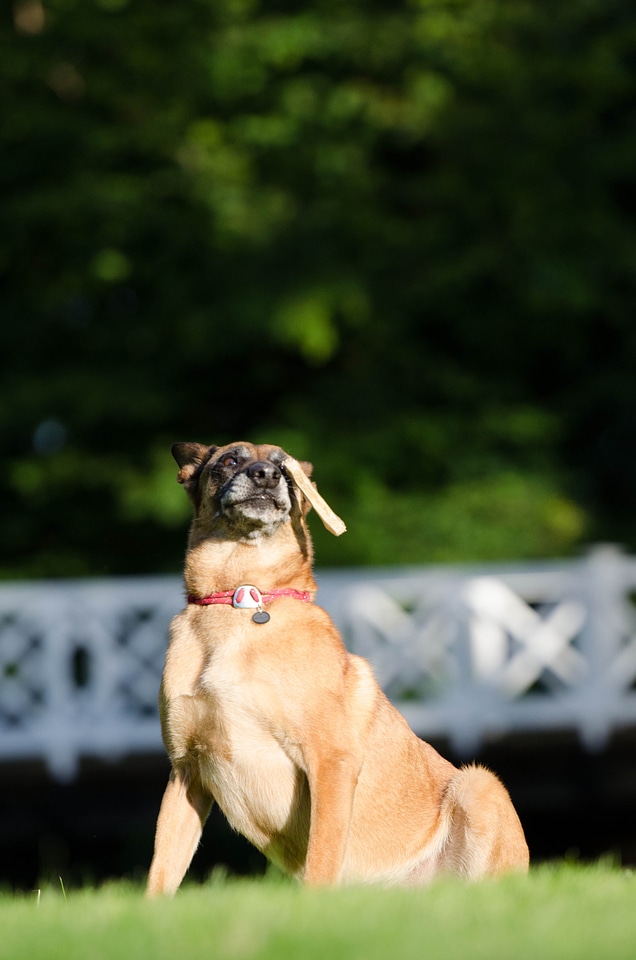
601	585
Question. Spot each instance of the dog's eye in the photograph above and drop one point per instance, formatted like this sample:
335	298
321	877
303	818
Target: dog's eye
229	461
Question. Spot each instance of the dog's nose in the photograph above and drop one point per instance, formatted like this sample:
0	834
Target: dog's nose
264	474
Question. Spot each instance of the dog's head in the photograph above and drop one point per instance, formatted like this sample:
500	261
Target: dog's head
239	489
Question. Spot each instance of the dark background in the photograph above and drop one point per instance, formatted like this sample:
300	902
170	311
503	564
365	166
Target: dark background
396	238
572	804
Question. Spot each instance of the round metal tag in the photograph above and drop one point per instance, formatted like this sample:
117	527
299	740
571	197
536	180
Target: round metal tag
260	617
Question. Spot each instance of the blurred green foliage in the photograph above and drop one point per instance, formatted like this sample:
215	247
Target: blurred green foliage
398	238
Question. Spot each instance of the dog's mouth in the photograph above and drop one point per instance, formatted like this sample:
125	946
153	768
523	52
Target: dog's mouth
258	499
249	505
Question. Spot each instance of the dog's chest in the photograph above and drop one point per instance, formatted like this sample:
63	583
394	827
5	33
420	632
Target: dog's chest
245	755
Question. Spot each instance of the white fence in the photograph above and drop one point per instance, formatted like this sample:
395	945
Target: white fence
465	653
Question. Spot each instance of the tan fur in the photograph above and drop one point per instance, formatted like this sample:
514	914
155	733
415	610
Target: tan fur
291	735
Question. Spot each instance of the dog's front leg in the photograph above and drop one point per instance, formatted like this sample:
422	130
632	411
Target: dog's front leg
332	785
184	810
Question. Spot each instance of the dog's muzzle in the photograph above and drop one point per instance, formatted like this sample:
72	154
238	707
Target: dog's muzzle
261	487
264	474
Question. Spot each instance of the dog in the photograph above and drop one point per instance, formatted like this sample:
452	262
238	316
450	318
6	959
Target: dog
264	711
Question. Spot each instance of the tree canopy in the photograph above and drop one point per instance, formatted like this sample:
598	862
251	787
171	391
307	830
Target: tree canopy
396	238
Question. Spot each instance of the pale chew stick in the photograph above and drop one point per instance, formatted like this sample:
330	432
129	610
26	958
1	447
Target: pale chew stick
332	522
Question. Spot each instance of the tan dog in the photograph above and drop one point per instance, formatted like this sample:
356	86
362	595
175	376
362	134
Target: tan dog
264	710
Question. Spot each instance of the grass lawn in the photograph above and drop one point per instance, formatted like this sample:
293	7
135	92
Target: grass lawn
565	911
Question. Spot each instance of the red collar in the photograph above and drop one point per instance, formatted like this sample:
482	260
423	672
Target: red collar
248	596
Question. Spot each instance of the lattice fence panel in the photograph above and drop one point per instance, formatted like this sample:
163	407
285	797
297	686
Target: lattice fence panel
464	653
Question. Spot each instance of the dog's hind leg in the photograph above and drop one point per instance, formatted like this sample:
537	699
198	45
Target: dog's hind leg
184	810
484	834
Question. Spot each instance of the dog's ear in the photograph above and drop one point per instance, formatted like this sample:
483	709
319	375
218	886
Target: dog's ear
307	467
190	457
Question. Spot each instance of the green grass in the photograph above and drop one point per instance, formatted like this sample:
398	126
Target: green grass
566	911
